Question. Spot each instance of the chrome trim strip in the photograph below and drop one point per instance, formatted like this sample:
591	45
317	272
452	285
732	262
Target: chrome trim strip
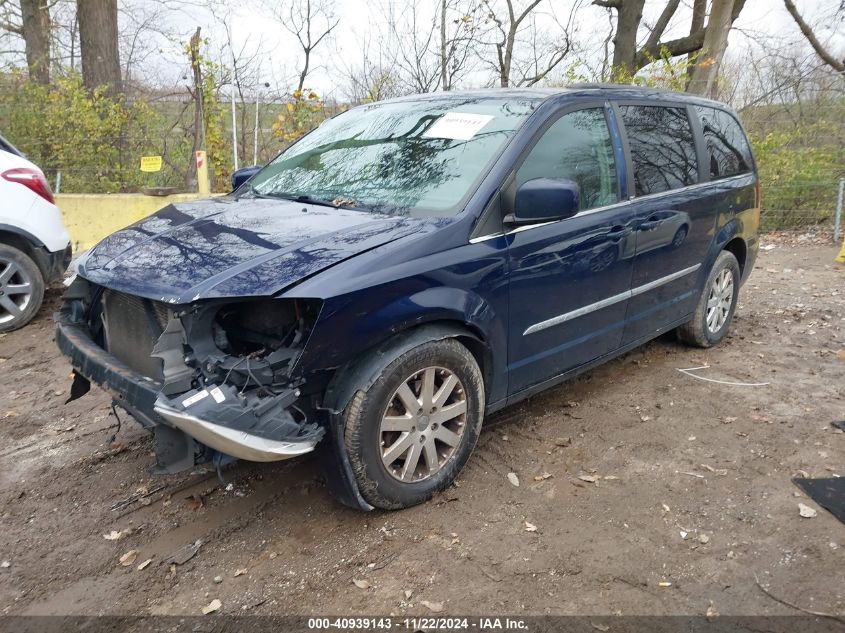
663	280
609	301
568	316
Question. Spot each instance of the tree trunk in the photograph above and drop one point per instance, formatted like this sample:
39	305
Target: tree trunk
199	124
98	44
628	17
36	36
821	51
706	70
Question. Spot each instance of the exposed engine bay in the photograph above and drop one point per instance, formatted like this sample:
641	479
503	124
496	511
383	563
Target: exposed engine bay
212	380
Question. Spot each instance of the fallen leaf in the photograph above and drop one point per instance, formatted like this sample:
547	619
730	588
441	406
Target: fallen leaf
437	607
703	539
590	479
239	572
840	355
408	594
542	476
113	535
129	557
563	441
212	606
194	502
513	479
530	527
644	418
144	564
600	627
806	511
728	419
666	508
712	612
611	478
361	584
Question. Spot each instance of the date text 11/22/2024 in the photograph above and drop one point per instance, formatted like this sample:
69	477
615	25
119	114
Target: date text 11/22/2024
419	623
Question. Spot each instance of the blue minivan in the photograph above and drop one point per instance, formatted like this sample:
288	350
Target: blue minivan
411	266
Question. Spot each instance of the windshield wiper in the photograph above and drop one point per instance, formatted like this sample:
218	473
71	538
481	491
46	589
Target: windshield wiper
307	199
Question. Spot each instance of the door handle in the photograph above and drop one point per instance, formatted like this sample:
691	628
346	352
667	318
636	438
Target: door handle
618	232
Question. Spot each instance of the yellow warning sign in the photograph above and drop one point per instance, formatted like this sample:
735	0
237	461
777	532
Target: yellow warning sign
150	163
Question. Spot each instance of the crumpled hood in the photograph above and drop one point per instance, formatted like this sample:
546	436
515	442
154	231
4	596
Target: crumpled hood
235	247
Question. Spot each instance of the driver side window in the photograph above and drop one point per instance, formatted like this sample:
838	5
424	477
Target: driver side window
576	147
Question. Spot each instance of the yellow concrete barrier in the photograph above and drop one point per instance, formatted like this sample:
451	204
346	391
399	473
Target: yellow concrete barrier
90	217
841	257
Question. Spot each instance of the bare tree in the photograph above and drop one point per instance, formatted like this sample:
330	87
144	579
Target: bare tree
409	38
431	43
509	27
713	46
807	31
310	22
30	20
196	94
98	43
459	29
36	35
628	57
372	78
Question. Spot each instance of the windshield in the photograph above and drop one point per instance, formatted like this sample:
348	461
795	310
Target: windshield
407	158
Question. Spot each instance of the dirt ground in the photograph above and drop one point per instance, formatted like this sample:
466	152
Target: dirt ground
691	487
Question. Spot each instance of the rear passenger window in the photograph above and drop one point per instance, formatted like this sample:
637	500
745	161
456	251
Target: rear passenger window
576	147
727	149
662	148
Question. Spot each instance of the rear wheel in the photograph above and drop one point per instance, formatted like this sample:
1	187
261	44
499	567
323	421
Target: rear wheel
410	434
715	309
21	288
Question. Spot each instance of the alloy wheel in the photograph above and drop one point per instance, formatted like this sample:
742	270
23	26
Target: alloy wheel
719	301
15	291
423	424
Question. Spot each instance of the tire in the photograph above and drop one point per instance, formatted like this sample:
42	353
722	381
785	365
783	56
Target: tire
382	448
21	288
707	328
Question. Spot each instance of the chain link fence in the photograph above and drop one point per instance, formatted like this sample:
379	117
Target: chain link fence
801	203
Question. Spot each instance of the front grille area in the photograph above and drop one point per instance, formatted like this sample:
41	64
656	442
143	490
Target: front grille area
132	327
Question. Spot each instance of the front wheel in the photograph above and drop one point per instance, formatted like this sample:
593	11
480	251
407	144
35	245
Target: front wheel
715	309
411	432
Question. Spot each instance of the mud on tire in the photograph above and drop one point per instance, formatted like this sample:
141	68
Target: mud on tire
698	331
379	422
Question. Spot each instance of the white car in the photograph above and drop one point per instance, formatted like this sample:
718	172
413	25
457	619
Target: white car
34	244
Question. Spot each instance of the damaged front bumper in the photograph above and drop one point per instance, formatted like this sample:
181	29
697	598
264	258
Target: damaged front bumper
218	418
203	407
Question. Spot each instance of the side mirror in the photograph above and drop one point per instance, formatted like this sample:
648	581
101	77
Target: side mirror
545	200
242	175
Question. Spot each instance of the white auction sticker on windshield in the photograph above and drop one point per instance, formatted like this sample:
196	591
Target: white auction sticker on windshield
460	126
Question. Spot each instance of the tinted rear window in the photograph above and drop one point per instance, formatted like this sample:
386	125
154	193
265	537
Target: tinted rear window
727	149
662	148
